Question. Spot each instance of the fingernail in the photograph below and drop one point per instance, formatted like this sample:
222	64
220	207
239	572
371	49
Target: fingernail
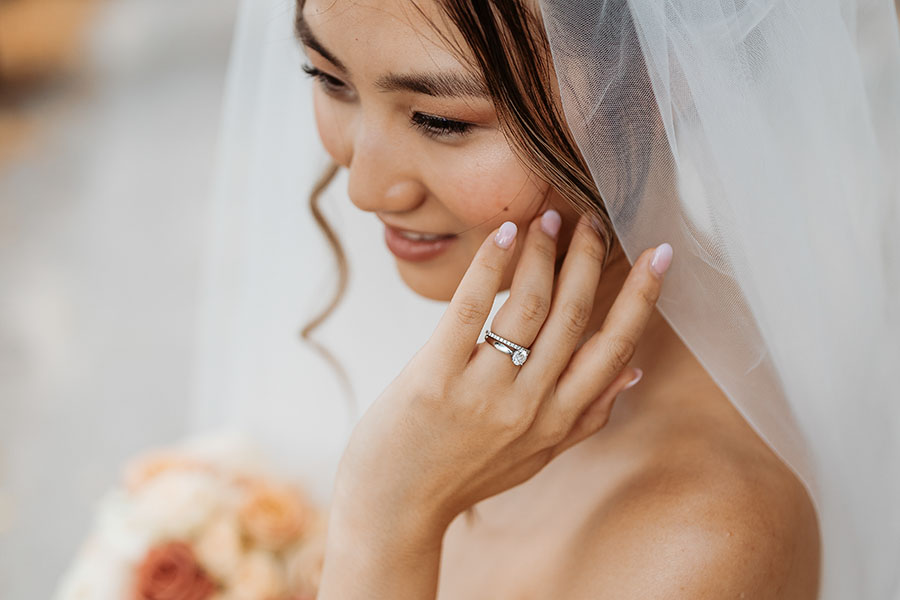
634	381
662	258
506	235
550	222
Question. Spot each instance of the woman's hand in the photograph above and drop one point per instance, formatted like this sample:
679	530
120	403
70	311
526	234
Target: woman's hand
461	422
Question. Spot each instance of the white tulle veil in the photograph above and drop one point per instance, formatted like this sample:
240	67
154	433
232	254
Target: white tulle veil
769	156
761	138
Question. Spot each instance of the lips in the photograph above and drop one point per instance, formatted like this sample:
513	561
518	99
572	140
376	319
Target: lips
416	246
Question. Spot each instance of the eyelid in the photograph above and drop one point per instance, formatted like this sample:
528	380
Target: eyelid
317	72
331	84
438	127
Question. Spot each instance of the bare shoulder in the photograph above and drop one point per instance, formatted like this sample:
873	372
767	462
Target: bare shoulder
705	520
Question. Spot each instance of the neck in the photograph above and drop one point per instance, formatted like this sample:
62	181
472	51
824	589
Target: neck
672	375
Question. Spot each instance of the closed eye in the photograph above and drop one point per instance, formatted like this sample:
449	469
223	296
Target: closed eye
432	126
438	127
330	84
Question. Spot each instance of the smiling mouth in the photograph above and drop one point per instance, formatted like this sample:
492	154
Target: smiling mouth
423	237
416	246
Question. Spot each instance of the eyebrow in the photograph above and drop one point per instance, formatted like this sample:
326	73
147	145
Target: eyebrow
306	37
439	85
434	84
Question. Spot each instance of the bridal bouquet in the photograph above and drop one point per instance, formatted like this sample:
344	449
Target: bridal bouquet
200	521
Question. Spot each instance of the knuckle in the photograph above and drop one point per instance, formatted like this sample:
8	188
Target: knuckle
594	248
552	433
431	392
511	420
470	312
546	251
575	315
649	294
534	307
620	350
491	266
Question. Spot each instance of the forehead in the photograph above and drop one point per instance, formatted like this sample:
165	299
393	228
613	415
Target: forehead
397	35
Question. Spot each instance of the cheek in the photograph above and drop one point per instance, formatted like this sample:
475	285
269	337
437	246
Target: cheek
487	185
331	123
482	186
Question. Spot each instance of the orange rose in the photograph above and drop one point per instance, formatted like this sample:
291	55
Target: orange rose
170	572
274	517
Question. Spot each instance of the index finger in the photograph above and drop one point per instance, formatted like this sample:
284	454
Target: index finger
459	327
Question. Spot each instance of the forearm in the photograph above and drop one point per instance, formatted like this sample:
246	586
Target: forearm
362	561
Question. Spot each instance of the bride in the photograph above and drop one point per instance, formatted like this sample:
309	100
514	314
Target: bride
677	496
661	407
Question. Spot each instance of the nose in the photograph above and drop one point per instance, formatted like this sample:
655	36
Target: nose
381	172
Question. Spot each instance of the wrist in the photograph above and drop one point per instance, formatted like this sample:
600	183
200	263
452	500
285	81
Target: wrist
395	516
366	559
396	530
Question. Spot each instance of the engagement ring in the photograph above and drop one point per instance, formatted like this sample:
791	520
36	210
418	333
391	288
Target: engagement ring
519	354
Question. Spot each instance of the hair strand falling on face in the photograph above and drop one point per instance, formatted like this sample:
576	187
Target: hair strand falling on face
343	277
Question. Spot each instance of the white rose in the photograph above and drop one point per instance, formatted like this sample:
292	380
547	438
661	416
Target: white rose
98	573
177	504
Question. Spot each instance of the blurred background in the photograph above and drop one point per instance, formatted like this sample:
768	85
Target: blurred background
109	114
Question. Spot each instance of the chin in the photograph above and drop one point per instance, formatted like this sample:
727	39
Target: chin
429	282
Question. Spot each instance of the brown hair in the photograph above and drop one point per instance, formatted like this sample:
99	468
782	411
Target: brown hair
509	47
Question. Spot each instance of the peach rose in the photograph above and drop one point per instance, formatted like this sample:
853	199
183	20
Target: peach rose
274	516
219	547
148	466
170	572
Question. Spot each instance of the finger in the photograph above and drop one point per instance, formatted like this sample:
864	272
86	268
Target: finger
596	415
522	315
570	309
611	348
457	331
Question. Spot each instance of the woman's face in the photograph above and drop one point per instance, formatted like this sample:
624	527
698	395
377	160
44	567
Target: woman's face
418	135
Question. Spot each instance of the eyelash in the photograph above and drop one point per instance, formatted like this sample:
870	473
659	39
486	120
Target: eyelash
435	127
432	126
330	84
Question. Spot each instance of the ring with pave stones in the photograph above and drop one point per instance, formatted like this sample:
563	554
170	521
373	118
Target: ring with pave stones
518	353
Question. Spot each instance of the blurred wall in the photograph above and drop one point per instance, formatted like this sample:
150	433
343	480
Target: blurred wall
103	184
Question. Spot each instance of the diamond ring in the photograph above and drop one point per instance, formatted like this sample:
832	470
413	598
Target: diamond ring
518	353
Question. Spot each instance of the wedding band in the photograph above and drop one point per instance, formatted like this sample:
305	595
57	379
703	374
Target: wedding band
518	354
503	348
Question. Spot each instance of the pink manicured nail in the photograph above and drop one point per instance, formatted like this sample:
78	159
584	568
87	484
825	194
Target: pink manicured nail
506	235
550	222
634	381
662	258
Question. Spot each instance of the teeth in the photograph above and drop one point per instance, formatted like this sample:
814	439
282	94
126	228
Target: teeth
421	237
